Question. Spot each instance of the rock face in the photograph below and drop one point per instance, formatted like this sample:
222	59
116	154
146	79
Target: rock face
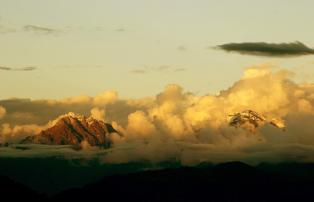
254	120
72	129
247	117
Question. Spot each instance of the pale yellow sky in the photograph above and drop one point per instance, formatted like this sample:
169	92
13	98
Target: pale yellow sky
85	47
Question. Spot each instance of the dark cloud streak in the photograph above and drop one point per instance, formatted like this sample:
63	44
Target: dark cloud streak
6	68
268	49
182	48
30	68
138	71
39	29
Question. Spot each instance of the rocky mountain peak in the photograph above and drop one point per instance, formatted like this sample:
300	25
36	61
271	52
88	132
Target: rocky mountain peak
72	129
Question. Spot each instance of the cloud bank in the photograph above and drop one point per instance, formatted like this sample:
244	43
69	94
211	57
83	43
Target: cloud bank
180	125
268	49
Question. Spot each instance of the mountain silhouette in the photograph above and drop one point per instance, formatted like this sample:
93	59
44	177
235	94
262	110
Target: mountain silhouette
232	181
9	189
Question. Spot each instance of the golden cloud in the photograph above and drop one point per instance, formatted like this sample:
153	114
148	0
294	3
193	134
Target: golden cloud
2	112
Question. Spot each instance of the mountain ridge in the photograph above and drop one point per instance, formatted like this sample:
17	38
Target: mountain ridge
74	129
230	181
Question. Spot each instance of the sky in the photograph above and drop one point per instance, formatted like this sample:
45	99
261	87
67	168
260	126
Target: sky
57	49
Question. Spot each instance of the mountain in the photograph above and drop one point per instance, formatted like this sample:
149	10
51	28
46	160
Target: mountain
251	118
230	181
13	190
73	129
234	181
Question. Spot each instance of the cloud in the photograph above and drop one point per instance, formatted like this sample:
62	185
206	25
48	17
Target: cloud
15	133
29	68
138	71
6	68
76	100
5	29
268	49
2	112
160	69
98	113
182	48
176	124
39	29
140	125
120	30
104	98
179	70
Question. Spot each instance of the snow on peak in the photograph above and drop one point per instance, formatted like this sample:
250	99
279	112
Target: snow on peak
71	115
90	120
75	116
